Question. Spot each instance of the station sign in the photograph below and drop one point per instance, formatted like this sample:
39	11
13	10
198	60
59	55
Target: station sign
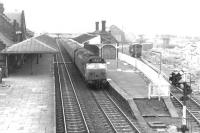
159	90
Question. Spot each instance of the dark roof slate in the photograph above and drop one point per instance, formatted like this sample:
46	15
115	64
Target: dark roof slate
47	40
84	38
106	37
31	45
5	40
14	16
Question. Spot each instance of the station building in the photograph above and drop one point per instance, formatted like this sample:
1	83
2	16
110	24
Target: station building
101	42
12	30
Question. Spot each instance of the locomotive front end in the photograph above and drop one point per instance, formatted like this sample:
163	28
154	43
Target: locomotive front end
95	73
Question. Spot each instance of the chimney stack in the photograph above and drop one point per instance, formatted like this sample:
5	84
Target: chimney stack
97	26
103	25
1	8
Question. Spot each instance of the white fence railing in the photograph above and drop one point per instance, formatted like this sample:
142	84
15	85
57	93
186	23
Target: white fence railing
156	79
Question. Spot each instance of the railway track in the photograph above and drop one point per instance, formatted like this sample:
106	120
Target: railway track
192	106
117	119
60	117
107	110
70	117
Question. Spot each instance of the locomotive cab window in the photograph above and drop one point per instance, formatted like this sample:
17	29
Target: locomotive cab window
96	60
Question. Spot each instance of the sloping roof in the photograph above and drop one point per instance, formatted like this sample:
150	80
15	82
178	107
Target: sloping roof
84	38
31	45
5	40
29	33
106	37
14	16
47	40
5	17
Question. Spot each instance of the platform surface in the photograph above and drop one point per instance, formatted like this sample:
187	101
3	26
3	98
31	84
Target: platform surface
127	78
27	101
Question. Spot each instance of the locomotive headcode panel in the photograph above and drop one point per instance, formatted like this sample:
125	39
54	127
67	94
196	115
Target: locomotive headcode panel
96	66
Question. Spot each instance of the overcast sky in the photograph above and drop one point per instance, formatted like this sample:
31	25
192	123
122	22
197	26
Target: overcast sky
138	16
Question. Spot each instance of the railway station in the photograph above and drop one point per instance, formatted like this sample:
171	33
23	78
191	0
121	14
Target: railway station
92	82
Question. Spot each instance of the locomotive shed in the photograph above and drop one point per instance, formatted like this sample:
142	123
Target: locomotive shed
27	98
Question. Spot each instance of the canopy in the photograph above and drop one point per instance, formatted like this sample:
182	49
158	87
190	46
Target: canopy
29	46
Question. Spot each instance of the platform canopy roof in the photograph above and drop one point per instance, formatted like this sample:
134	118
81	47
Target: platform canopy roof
29	46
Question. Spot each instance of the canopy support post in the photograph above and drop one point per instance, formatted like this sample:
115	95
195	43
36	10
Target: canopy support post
37	58
6	68
31	64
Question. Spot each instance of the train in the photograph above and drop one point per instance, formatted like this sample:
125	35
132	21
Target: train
135	50
92	67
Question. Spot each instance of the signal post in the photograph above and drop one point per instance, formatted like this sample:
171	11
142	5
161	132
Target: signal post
176	81
186	91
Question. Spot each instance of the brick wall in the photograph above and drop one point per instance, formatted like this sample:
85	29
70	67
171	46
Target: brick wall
6	28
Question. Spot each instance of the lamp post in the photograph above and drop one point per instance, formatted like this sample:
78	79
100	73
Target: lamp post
160	59
117	48
135	49
122	48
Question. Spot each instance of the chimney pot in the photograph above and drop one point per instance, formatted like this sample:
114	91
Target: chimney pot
103	25
97	26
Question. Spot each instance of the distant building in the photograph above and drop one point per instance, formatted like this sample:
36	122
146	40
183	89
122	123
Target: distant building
97	37
100	42
105	36
117	33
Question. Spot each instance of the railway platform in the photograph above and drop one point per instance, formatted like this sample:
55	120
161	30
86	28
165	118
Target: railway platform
127	78
27	100
132	85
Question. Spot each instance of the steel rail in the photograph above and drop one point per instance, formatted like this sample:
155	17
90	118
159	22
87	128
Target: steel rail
186	108
63	109
73	88
120	111
166	78
123	113
113	127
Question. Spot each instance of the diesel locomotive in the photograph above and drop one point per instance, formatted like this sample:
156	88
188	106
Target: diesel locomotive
92	67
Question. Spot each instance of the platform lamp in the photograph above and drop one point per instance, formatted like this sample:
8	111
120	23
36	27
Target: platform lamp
117	48
6	69
31	59
135	47
160	59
